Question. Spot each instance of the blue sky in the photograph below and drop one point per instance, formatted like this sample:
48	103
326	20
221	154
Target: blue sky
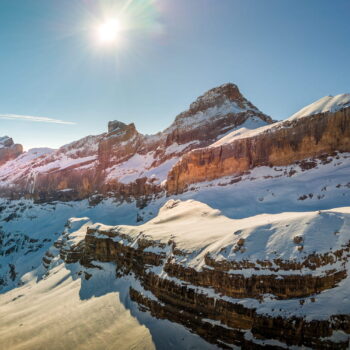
282	54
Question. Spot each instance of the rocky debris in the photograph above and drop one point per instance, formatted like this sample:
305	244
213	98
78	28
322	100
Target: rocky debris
15	242
12	244
281	144
297	239
239	246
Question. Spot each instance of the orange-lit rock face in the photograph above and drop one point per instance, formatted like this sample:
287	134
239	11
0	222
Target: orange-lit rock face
297	140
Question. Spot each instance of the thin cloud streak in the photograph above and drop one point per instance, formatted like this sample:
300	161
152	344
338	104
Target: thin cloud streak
35	119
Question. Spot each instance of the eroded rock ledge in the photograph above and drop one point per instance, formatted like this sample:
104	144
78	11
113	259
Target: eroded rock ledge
208	283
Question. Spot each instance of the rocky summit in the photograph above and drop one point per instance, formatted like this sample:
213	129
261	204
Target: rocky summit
226	230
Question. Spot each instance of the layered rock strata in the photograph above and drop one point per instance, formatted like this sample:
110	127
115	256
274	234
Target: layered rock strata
212	289
281	144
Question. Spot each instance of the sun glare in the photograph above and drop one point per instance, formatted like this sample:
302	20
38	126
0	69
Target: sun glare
107	32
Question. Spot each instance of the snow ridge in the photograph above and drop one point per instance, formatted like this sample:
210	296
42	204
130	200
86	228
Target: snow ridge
324	104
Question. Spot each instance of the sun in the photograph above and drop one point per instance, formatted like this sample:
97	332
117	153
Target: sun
107	32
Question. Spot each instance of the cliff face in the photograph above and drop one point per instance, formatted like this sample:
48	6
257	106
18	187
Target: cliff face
281	144
225	284
125	162
8	149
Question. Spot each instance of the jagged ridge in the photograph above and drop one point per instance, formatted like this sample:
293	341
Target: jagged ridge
124	161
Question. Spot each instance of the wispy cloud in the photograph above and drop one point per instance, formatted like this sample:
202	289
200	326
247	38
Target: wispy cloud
35	119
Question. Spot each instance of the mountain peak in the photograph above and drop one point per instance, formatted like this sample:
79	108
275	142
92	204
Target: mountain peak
217	96
223	107
118	128
115	125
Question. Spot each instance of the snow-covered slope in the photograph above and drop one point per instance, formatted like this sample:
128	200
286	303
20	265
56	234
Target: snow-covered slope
23	165
198	230
60	310
51	314
324	104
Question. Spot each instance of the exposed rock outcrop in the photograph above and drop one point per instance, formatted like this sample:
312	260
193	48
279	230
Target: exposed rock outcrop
121	142
8	149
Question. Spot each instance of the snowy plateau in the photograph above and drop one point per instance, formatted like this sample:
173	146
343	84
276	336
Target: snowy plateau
227	230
